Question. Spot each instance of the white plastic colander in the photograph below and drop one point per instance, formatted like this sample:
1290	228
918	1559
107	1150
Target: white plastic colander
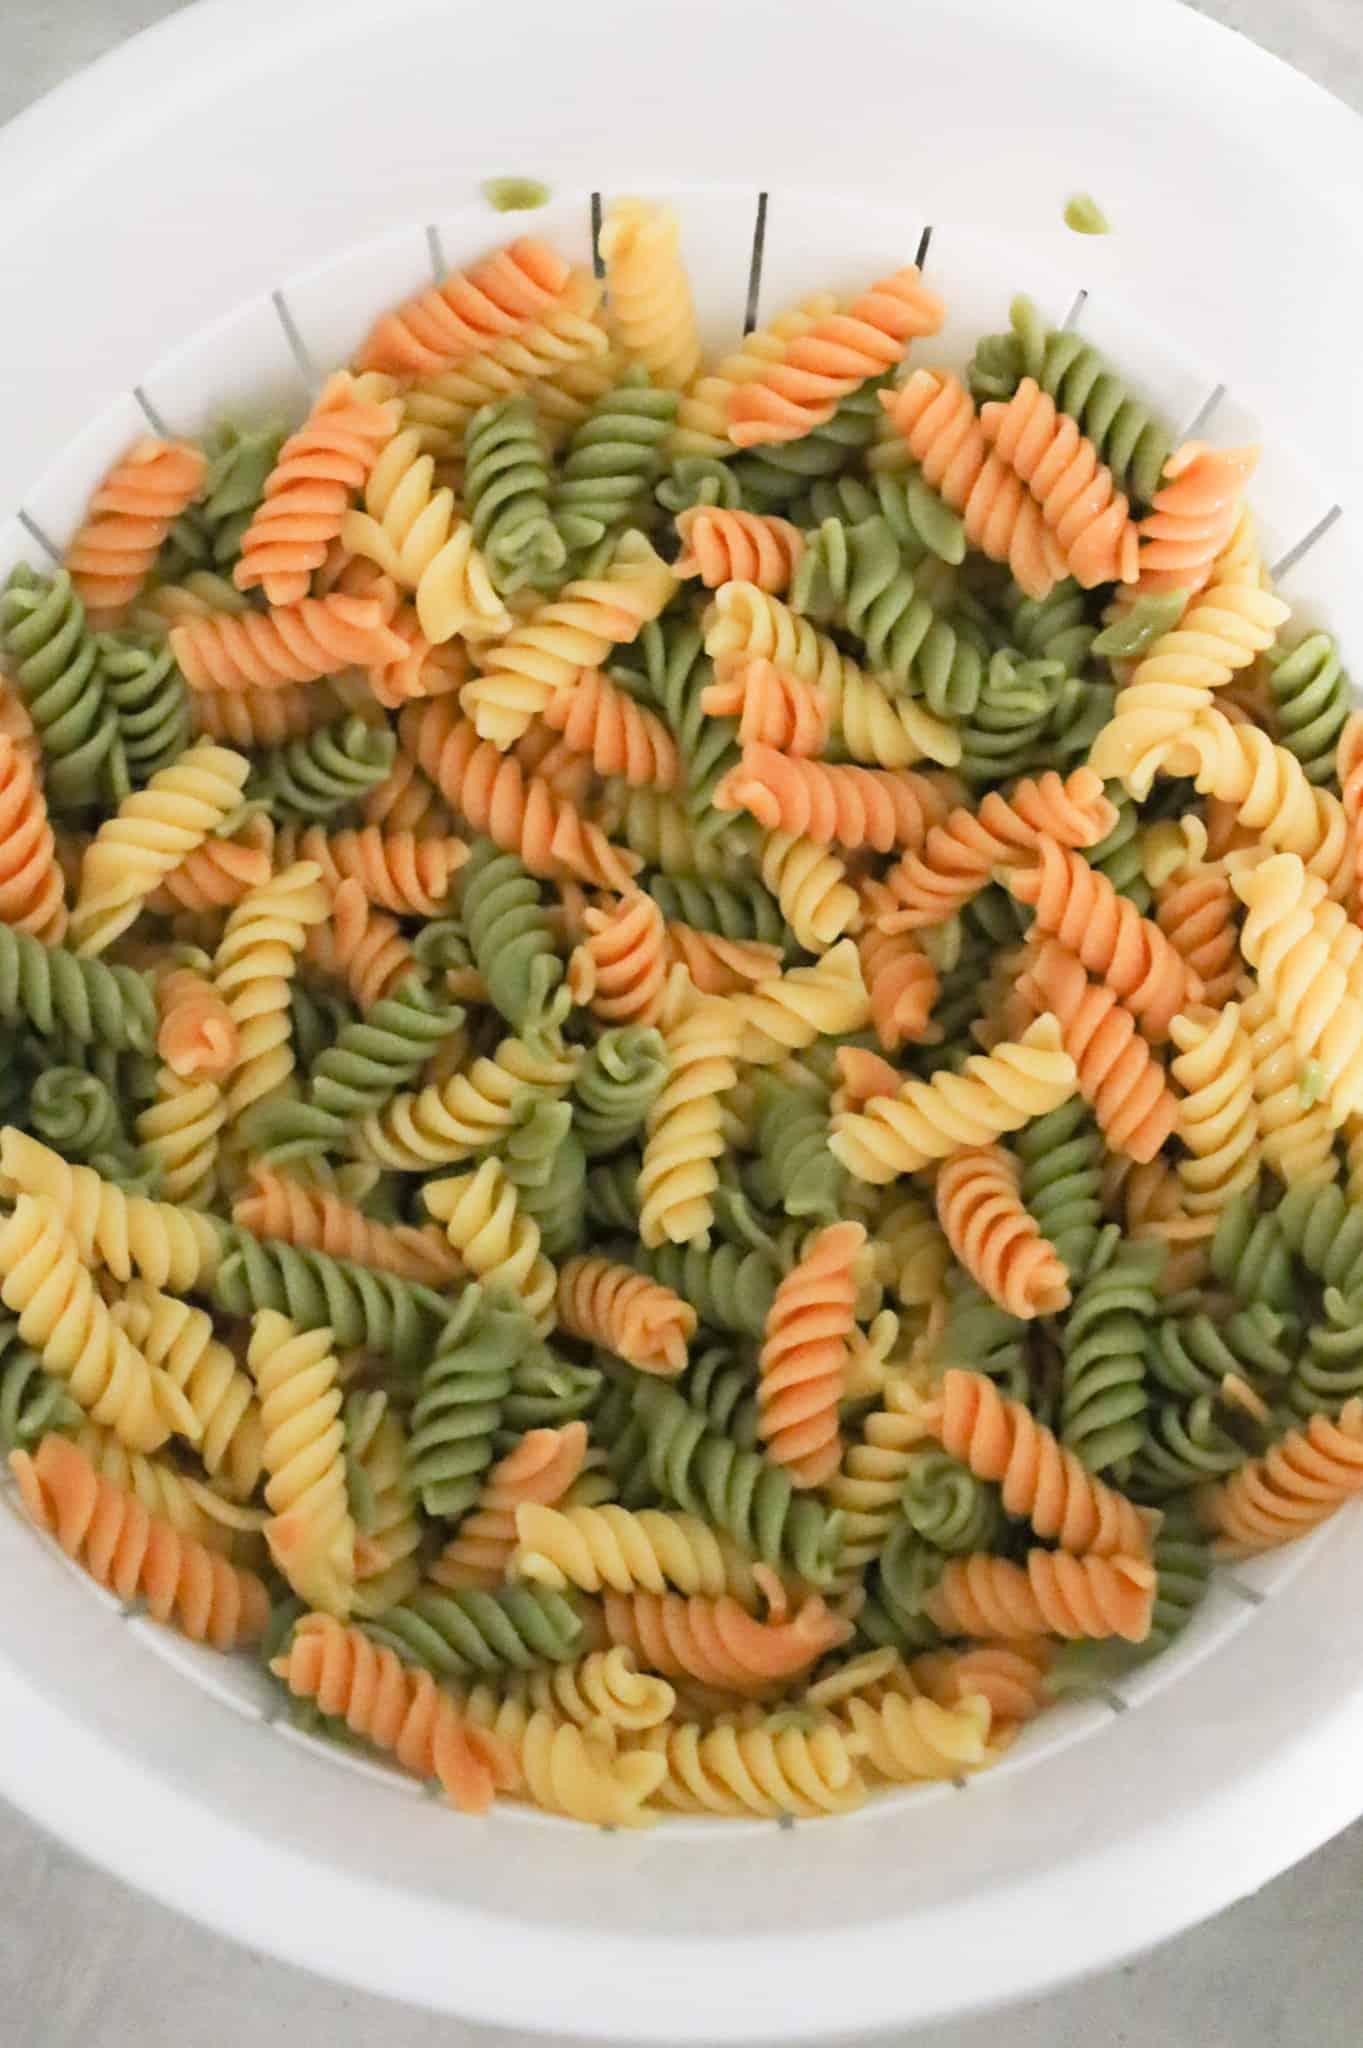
195	226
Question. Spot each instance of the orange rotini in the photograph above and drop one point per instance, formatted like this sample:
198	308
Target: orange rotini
1192	516
718	1641
276	1206
774	707
137	1555
292	643
747	547
32	890
980	1209
1119	1075
1079	502
621	962
470	310
619	737
901	982
829	805
539	1468
803	1360
1053	1593
639	1319
1295	1485
128	517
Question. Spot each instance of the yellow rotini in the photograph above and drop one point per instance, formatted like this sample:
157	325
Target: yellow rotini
867	1486
177	1338
167	1246
151	833
1217	1117
646	1551
994	1093
310	1532
180	1131
683	1131
452	1120
1268	787
252	970
411	529
580	1772
909	1741
497	1241
62	1315
1296	1135
788	1763
790	1011
647	290
702	424
605	1685
810	884
1286	936
190	1507
387	1525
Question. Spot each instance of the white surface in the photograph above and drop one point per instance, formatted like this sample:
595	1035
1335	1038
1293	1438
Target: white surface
1150	1727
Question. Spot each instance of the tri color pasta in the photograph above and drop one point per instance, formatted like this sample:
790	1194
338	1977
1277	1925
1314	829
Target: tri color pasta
683	1041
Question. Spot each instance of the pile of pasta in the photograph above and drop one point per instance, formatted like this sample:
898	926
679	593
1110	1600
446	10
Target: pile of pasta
683	1043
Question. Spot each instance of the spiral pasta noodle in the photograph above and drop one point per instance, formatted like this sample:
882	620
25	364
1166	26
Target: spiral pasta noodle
683	1133
540	1468
1053	1594
1192	516
790	1011
994	1093
853	807
499	297
618	736
150	835
1117	1072
252	969
136	1554
453	1120
398	872
1295	1135
936	417
292	1212
1296	1484
311	1534
800	389
803	1359
773	707
293	643
1285	938
32	891
126	1233
1217	1120
129	516
648	292
569	632
44	631
1079	502
980	1209
763	1772
1267	786
641	1320
494	1237
717	1641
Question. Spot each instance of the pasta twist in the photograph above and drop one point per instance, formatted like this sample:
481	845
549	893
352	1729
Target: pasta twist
648	292
773	707
463	1391
180	1132
125	1233
410	529
196	1034
458	1634
388	1528
311	1533
980	1209
764	1772
32	890
866	1490
540	1468
1192	516
792	1142
1083	384
994	1093
499	297
135	1554
790	1011
261	718
44	631
640	1320
803	1360
1243	767
570	1770
367	1310
397	871
1038	1478
178	1340
509	933
743	547
218	874
150	700
360	947
292	1212
453	1120
935	415
506	489
565	337
605	1685
901	982
1287	937
857	576
1118	1074
54	990
707	1474
1107	934
1053	1594
622	960
801	388
319	775
497	1241
192	1508
150	836
911	1741
811	889
960	853
1217	1118
617	735
718	1642
128	517
828	804
612	460
595	1548
1079	501
1311	696
1295	1485
746	623
63	1317
703	414
397	1709
683	1127
518	813
294	643
574	630
620	1078
251	971
317	471
1296	1136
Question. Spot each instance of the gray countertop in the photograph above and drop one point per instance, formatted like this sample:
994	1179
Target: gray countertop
85	1961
